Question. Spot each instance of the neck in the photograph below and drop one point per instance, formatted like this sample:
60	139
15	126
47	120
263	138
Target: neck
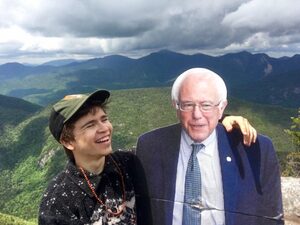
94	166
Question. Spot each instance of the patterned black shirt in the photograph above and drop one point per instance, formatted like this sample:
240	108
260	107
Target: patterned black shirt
69	200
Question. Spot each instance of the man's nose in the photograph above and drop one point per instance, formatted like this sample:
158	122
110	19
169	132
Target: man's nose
197	112
101	127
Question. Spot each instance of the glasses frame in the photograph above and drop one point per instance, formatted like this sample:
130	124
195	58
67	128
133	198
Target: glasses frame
200	106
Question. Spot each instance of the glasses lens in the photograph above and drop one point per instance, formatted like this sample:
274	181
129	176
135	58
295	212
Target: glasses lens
190	106
187	106
207	107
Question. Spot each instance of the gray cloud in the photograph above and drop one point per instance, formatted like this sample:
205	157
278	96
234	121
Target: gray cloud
266	26
104	19
133	27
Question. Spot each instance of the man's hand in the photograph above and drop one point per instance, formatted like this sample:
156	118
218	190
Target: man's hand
249	133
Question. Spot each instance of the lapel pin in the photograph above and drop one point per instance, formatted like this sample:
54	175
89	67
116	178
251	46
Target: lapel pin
228	159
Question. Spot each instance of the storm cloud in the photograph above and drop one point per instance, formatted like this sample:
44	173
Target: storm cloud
43	30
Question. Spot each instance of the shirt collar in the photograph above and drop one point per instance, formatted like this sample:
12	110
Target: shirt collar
207	142
77	177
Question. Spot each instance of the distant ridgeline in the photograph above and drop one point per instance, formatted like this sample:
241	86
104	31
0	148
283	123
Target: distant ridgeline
14	110
253	77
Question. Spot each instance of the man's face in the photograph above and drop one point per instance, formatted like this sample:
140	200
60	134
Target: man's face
92	136
199	125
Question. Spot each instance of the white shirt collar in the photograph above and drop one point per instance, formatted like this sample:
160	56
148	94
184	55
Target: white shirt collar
208	141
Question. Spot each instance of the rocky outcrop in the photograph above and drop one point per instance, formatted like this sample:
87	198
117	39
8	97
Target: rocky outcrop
46	157
291	199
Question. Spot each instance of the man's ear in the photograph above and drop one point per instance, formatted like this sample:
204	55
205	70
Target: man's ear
67	144
174	104
222	107
223	104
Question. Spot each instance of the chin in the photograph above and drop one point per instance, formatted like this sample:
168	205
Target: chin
109	150
106	151
198	138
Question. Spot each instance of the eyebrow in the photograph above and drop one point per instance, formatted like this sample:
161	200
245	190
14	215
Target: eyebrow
104	116
87	123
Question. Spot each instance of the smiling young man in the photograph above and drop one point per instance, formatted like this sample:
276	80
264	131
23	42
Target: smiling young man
97	186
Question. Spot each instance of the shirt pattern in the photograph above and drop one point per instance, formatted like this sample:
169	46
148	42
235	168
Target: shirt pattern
68	199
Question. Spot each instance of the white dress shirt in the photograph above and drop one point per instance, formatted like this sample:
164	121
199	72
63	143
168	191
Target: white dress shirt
211	180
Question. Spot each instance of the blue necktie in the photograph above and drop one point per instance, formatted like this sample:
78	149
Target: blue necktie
192	193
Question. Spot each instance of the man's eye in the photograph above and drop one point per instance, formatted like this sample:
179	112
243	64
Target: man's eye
206	106
188	105
90	125
104	119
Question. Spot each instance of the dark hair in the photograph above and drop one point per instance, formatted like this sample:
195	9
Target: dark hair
67	131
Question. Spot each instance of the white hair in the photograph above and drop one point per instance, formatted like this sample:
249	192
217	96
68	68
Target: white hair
203	73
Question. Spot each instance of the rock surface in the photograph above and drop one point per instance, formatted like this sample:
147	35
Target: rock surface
291	200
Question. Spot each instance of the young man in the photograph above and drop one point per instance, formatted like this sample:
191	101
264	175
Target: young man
97	186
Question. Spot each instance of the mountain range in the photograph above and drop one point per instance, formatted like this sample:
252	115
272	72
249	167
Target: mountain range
30	157
253	77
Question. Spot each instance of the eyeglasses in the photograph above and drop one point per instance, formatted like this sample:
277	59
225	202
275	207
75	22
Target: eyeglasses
190	106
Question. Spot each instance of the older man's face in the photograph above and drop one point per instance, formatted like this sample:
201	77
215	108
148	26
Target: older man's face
198	124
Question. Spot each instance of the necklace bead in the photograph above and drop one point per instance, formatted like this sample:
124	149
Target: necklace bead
119	209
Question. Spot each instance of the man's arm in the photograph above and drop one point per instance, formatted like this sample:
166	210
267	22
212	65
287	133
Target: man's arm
57	206
249	133
56	215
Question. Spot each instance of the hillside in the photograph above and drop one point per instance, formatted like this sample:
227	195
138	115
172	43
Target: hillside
12	220
29	157
14	110
272	89
246	76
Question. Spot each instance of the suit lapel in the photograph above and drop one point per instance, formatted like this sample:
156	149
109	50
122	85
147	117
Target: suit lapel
170	160
229	174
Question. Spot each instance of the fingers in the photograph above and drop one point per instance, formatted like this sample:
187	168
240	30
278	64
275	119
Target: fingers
248	131
228	122
252	136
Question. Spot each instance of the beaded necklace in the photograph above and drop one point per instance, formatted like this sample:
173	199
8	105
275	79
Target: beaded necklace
119	211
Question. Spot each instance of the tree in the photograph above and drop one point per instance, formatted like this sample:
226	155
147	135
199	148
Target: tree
294	131
292	165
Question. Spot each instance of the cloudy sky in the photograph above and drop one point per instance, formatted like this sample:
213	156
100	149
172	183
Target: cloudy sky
36	31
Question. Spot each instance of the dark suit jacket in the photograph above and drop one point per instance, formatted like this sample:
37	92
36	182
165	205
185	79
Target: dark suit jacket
251	180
